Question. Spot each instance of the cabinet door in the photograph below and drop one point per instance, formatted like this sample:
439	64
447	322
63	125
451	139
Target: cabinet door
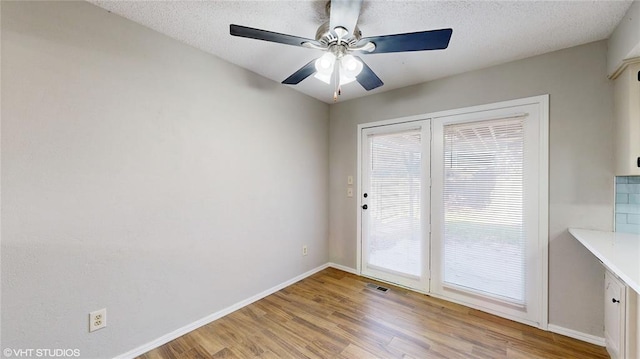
614	315
627	121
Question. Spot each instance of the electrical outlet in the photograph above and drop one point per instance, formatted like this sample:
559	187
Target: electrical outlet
349	192
97	319
304	250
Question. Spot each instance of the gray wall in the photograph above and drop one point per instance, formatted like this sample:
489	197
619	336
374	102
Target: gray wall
624	43
145	176
581	169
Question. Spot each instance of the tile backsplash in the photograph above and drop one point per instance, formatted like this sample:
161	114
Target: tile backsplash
628	204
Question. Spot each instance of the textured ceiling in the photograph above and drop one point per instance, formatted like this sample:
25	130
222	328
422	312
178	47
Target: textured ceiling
485	33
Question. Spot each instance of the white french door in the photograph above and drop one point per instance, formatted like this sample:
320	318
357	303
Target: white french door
486	196
455	204
394	203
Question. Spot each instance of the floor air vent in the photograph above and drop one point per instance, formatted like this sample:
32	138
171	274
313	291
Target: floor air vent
377	287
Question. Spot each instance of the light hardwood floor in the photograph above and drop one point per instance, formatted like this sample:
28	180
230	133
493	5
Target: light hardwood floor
333	314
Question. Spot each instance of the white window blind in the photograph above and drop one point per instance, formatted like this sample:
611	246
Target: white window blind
394	203
484	238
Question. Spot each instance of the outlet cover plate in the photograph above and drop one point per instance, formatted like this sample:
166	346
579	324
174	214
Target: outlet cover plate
97	319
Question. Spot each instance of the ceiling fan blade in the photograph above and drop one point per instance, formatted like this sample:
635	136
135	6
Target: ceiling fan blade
367	78
304	72
345	13
249	32
413	41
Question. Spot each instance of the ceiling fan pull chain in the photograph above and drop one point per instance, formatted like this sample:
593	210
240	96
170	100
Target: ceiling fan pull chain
336	81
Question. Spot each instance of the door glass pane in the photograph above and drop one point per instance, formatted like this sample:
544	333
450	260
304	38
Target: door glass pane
395	242
484	242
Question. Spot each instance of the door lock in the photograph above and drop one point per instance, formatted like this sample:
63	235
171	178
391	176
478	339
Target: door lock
364	206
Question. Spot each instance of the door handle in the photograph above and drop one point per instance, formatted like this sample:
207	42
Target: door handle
614	300
364	206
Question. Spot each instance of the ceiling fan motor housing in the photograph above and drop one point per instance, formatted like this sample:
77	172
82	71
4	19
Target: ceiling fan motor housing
326	37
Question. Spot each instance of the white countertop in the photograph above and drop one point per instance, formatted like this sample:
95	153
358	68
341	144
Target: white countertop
620	252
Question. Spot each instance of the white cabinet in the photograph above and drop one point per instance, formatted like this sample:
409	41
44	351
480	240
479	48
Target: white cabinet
626	100
620	255
614	315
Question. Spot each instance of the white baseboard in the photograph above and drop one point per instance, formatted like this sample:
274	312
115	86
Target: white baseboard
217	315
577	335
343	268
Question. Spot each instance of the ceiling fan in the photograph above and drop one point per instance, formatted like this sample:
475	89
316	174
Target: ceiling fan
339	38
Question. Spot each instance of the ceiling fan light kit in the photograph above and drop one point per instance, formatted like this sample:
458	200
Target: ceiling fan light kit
350	67
324	67
346	68
339	38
